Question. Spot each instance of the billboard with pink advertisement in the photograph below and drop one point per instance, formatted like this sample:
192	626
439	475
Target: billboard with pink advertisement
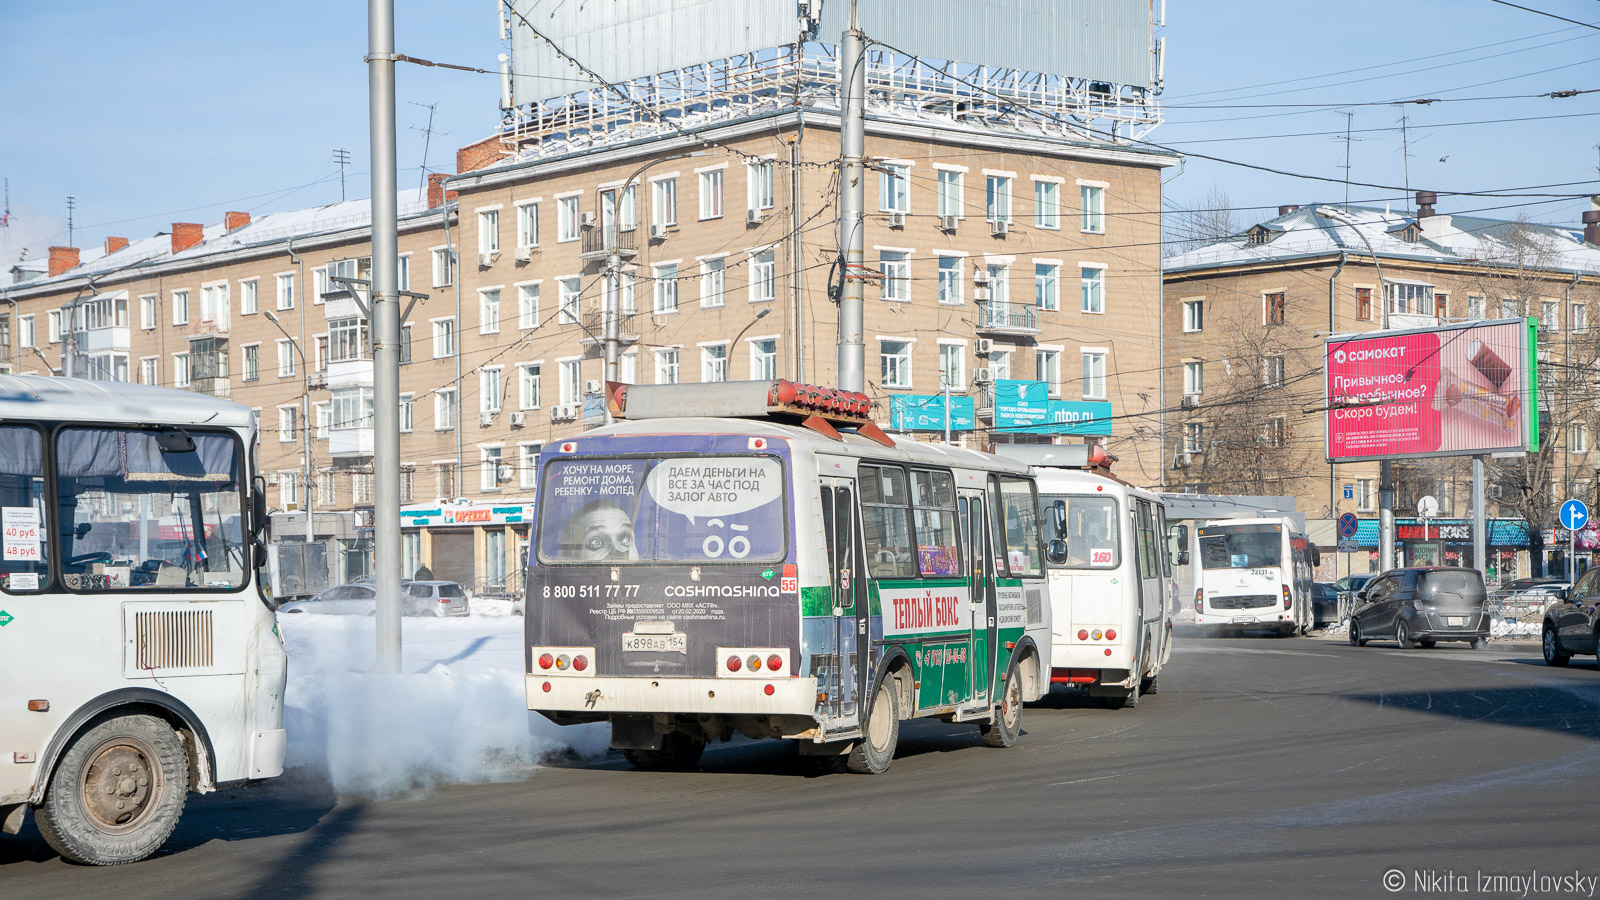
1453	390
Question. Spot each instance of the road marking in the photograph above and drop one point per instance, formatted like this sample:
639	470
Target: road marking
1085	780
1182	649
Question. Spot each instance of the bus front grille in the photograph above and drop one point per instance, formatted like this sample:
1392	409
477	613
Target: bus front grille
174	639
1246	601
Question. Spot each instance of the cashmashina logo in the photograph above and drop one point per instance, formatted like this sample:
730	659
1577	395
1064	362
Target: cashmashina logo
5	618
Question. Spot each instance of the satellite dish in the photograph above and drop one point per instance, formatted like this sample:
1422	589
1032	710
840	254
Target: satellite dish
1427	507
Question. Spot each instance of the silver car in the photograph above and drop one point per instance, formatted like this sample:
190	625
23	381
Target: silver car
435	598
417	598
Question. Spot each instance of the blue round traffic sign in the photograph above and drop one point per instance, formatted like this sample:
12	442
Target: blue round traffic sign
1348	525
1574	515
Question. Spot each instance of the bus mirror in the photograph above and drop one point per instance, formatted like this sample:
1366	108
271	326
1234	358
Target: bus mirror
1058	519
1316	555
258	506
1057	550
1180	533
1183	558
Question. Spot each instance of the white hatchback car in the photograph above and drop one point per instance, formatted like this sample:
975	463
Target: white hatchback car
418	598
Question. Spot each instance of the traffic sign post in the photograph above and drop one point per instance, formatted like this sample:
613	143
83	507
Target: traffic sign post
1348	525
1573	516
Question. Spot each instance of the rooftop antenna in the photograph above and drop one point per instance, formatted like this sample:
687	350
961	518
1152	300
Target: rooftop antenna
1405	154
72	205
1348	140
5	215
342	158
427	138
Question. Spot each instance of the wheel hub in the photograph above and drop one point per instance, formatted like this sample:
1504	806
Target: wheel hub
118	784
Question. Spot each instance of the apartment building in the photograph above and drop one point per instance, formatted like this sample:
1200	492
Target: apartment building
1245	320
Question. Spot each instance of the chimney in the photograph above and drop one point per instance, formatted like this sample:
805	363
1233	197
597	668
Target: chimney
1425	202
1288	208
233	221
62	259
1591	227
436	191
186	235
113	244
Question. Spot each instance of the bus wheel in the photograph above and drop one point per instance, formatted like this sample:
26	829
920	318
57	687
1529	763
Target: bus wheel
117	793
1002	730
875	751
1149	685
679	753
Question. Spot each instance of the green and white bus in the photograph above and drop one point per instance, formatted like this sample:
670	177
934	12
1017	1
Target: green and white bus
758	558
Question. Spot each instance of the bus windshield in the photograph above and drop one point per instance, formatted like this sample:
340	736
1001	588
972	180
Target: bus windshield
662	509
1241	546
1091	530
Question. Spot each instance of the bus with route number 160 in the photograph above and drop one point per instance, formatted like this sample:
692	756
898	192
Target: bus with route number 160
759	558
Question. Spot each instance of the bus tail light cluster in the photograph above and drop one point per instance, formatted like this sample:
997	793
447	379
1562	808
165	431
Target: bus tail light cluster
753	662
1287	600
1097	634
562	661
1199	599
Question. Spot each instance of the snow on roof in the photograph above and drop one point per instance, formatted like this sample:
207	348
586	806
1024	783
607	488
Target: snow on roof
267	229
1320	230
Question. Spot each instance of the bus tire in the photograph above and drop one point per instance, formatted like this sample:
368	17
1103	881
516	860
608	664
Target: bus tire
679	752
873	754
117	793
1149	685
1002	730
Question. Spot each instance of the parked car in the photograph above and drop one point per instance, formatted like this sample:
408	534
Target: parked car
1324	604
1544	589
1422	605
1572	623
1353	583
418	598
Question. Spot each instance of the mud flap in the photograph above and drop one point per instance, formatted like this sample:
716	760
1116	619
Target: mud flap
634	733
11	818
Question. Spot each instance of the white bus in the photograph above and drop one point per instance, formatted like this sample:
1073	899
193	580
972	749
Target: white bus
1253	574
1111	592
758	558
138	658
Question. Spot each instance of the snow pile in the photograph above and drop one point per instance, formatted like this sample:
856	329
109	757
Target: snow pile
456	714
1509	628
491	606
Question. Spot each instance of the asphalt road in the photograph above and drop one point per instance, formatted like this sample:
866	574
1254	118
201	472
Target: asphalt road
1263	767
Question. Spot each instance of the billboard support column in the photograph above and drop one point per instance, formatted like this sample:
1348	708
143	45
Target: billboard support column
1480	522
1385	515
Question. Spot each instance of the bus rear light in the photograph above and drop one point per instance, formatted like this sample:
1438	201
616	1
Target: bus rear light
1199	599
547	687
1097	634
1287	601
735	664
754	663
580	662
546	660
1083	634
1111	634
774	663
767	690
1108	651
563	661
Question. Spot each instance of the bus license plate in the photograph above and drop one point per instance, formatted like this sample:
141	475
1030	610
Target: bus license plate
1238	620
677	642
1455	621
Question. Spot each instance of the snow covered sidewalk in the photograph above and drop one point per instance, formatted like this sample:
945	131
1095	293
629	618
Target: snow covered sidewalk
457	714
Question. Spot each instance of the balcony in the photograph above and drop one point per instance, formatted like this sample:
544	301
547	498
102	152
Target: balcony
601	242
214	387
1008	318
103	339
594	328
347	443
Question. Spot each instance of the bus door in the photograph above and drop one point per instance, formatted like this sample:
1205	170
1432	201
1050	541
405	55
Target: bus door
845	680
1151	598
980	559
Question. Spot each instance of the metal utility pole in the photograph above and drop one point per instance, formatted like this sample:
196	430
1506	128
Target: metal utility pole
385	317
1480	522
852	188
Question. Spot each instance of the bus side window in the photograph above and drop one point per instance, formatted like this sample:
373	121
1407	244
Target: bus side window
1147	540
933	495
1016	525
1161	532
886	522
25	564
827	527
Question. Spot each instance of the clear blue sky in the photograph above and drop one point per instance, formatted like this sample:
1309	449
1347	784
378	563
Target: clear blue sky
151	113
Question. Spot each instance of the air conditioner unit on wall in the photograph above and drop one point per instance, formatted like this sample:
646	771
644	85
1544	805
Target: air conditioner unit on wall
983	347
486	259
1189	401
658	232
980	295
948	223
486	419
591	386
586	220
524	254
999	227
519	419
980	276
897	220
982	375
752	217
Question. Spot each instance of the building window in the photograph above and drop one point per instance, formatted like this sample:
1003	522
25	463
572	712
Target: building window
249	302
1046	204
1578	439
319	354
1094	375
444	409
713	282
289	489
490	389
896	360
252	362
1272	371
1194	377
1093	201
147	314
714	363
896	268
763	276
1273	308
528	225
444	268
285	291
570	290
999	283
1364	304
528	464
214	303
528	377
1272	432
894	189
1047	285
350	408
325	489
347	340
25	330
711	194
1092	287
1550	316
527	306
489	231
1511	309
951	274
759	193
1408	298
1441	309
1194	315
1047	368
997	198
324	415
666	288
360	488
489	311
567	219
150	370
286	358
667	366
953	366
764	359
407	416
444	338
664	202
570	380
1580	318
180	308
489	468
1000	365
628	209
1476	308
288	422
1194	435
950	200
1364	494
628	368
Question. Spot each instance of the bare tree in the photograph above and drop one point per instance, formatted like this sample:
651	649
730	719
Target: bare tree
1207	221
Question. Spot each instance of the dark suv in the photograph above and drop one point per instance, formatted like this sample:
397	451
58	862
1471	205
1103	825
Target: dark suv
1422	605
1572	622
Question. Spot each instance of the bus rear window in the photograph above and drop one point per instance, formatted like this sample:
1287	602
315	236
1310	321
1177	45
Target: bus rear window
662	509
1241	546
1091	530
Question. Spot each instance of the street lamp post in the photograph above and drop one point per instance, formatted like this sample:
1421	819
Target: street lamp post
305	425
